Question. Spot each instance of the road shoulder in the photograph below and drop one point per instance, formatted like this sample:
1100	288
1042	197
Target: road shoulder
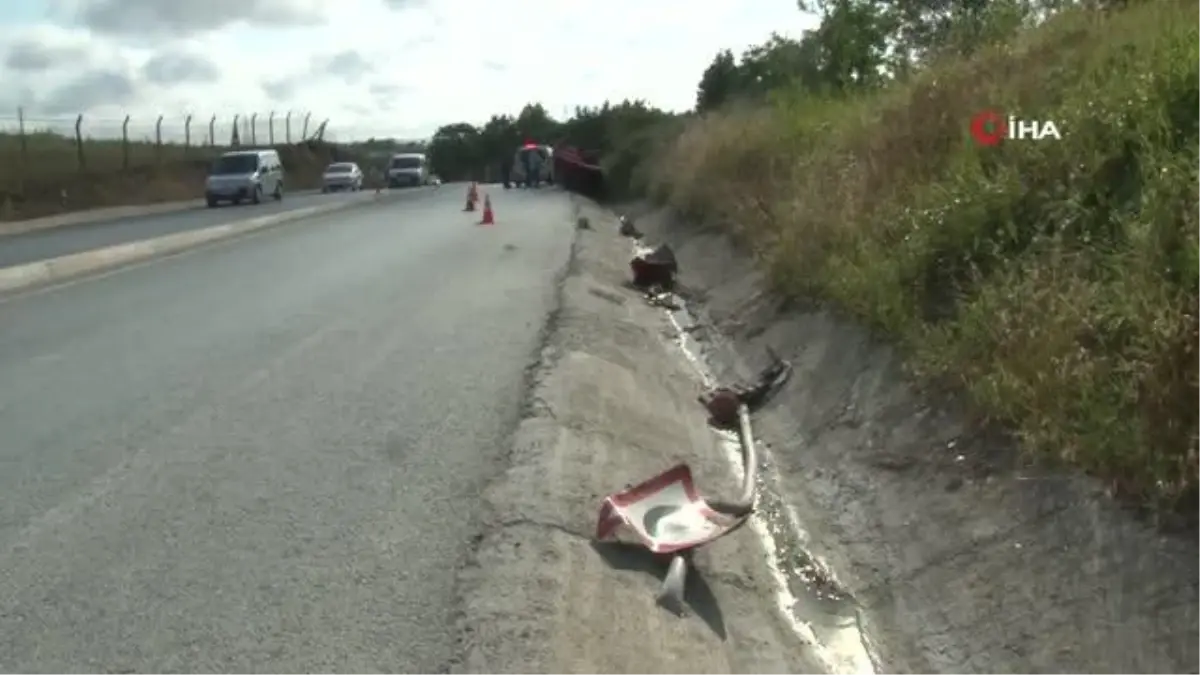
610	403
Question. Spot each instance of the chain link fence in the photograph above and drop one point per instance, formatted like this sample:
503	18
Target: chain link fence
33	144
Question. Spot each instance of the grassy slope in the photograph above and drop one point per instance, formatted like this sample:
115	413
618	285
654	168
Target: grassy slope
1055	282
34	188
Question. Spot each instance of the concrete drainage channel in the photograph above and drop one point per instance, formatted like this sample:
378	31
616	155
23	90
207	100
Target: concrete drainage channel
807	595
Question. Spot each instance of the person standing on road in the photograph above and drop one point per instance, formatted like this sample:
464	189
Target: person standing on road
527	165
535	166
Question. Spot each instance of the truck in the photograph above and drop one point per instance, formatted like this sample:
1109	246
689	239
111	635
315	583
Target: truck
408	169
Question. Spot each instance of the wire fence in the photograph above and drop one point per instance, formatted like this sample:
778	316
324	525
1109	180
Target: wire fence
40	143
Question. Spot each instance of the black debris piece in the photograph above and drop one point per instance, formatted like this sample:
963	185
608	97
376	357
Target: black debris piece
657	267
722	403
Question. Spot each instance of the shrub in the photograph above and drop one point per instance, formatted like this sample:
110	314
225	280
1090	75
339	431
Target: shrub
1055	282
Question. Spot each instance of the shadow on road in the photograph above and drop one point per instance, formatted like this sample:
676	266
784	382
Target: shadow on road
698	594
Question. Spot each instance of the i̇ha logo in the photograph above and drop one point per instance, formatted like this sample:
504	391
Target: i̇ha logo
990	127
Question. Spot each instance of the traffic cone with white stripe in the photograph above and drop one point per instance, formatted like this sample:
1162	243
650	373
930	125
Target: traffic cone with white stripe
489	217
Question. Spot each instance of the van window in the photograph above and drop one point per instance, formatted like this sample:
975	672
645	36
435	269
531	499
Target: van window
407	162
234	164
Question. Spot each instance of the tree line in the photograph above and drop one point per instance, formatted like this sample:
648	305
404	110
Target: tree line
858	45
461	150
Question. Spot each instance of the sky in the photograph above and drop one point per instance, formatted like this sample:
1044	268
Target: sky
374	68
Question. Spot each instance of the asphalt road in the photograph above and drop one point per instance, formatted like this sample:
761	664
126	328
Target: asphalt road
265	455
53	242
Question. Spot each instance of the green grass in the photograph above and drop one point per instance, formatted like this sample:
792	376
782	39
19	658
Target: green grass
1054	282
46	177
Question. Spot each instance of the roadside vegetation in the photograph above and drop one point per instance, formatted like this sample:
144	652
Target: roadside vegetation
1057	282
1054	282
45	173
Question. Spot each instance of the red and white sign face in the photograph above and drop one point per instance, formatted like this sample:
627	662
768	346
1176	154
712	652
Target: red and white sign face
666	513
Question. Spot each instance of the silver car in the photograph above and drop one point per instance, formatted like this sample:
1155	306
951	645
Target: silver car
342	176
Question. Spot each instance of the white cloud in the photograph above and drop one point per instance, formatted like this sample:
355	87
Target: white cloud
376	71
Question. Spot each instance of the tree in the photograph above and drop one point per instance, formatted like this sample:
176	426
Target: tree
535	124
454	151
497	139
719	82
853	41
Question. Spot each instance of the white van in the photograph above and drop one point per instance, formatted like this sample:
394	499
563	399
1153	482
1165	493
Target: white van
244	175
408	170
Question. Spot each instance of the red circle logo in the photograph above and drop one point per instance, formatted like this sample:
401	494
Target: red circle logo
989	127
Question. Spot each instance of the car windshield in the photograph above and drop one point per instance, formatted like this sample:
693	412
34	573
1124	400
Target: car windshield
406	162
234	164
340	168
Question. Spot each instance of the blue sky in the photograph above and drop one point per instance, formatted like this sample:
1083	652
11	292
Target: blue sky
24	11
373	67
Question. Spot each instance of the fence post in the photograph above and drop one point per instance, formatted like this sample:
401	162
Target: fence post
233	139
158	140
125	143
212	131
80	161
287	127
271	129
187	134
24	145
304	129
254	129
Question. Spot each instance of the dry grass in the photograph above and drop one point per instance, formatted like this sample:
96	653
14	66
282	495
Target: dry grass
47	178
1053	281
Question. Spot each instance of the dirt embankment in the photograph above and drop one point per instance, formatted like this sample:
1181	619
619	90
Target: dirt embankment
959	558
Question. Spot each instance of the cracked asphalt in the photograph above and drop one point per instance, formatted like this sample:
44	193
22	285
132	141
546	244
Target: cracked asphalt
267	455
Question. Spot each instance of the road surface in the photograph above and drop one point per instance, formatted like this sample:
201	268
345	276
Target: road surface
266	454
37	245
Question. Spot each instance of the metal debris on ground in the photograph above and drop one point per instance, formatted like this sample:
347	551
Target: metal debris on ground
656	268
583	223
668	516
628	229
666	512
656	296
722	403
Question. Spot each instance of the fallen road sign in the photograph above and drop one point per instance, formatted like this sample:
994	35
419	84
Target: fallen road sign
667	514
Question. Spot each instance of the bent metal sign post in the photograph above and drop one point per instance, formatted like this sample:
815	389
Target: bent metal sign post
666	513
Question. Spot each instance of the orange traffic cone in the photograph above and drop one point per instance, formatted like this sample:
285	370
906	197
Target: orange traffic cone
489	218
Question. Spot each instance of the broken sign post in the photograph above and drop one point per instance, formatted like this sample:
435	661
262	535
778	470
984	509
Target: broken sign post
666	513
669	517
